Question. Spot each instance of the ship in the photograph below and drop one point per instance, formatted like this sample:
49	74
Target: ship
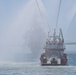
54	50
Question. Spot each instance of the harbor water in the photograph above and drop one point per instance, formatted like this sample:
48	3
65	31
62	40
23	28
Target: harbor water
34	68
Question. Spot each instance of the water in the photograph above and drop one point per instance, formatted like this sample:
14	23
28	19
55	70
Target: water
21	35
19	40
34	68
72	59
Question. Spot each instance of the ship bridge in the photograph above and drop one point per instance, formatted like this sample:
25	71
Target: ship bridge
55	45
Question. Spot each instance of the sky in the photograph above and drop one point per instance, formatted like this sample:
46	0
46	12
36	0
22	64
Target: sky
15	14
10	8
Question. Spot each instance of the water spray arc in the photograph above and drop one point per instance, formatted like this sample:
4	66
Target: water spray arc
42	16
68	25
58	16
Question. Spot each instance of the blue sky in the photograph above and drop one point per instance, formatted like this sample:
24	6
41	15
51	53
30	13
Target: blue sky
14	13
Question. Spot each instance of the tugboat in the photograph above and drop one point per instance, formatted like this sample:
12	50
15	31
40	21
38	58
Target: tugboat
54	51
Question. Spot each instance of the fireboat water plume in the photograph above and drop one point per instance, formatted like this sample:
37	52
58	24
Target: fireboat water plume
25	35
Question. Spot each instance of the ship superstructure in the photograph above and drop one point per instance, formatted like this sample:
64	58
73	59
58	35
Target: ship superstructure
54	51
